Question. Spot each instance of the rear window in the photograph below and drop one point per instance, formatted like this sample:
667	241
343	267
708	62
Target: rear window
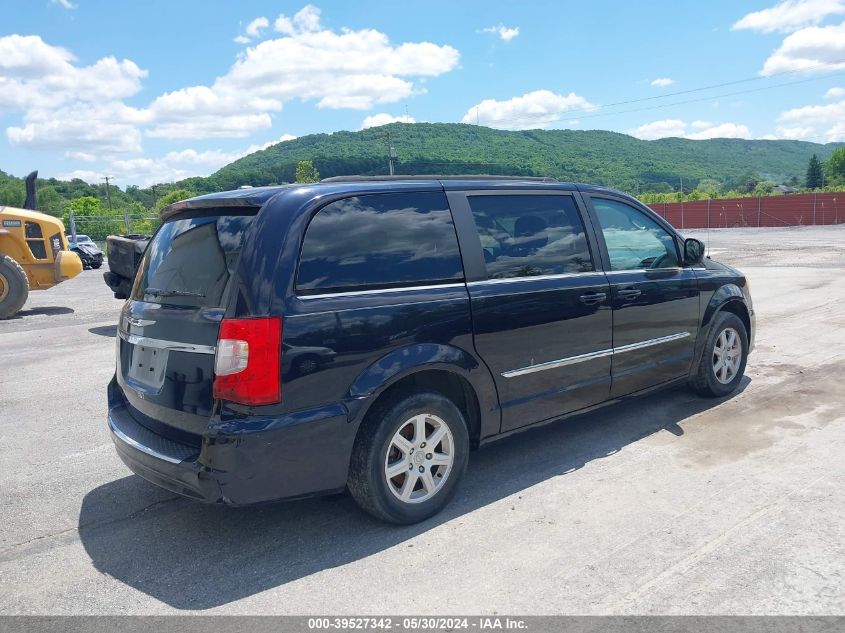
529	235
190	261
380	241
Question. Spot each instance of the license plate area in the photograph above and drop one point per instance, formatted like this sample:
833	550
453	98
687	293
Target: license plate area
148	366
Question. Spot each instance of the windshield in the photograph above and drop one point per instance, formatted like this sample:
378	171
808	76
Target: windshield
190	262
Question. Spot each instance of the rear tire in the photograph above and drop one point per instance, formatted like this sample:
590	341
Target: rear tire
14	287
424	431
722	364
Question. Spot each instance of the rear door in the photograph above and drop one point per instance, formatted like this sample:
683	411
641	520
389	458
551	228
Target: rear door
169	326
540	301
654	297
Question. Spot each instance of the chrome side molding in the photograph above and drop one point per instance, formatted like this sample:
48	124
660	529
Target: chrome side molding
570	360
580	358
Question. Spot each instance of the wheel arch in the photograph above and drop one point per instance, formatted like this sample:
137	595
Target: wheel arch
445	369
727	298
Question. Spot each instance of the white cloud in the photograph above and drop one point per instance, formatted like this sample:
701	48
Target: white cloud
175	165
662	82
790	15
36	74
306	20
660	129
530	111
253	30
681	129
383	118
835	93
79	110
66	4
346	69
722	130
110	127
85	157
815	48
505	33
812	121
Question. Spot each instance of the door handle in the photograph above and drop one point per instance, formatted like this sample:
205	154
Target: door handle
592	298
629	294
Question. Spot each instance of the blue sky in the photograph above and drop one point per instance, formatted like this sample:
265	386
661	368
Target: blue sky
159	90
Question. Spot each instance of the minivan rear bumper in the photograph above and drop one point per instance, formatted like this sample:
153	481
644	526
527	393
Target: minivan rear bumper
161	461
298	455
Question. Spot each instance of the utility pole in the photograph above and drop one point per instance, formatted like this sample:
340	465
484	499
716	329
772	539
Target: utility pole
111	211
476	115
391	155
108	192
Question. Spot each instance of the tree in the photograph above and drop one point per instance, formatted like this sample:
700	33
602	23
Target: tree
306	172
709	186
748	182
815	176
764	188
836	166
92	218
174	196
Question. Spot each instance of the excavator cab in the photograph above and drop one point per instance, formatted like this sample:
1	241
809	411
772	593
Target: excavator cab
33	253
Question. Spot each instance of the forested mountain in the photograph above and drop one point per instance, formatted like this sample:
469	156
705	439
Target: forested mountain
596	156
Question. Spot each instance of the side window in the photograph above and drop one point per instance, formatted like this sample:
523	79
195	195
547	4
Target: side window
633	239
380	241
529	235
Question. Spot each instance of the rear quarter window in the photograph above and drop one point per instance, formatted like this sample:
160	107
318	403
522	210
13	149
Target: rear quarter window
380	241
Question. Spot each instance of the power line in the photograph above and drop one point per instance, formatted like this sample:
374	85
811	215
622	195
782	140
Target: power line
593	114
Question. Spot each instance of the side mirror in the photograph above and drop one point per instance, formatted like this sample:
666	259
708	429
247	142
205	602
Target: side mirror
693	251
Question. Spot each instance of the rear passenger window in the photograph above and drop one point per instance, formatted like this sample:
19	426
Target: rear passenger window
380	241
529	235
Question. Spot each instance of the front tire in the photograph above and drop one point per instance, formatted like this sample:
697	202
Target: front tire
722	364
14	287
409	456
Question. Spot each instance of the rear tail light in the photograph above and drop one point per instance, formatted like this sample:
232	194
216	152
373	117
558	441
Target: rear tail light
247	364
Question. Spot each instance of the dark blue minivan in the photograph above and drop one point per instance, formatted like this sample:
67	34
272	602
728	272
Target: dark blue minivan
367	333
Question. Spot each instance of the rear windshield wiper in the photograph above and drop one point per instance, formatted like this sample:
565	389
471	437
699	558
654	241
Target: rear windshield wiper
158	292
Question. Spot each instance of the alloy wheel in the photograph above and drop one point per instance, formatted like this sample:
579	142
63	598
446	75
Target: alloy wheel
419	458
727	355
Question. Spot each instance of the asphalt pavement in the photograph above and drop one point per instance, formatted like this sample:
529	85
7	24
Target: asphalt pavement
674	504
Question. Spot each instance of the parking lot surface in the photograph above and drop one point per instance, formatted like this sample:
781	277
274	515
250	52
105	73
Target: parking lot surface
671	505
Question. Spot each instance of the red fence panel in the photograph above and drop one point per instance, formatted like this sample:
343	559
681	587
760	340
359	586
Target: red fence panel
787	210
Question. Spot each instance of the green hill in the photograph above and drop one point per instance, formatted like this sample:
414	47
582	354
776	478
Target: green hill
594	156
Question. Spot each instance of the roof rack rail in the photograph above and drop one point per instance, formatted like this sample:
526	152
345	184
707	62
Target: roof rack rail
438	177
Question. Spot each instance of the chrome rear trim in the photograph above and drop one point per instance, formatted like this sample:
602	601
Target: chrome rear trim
137	445
175	346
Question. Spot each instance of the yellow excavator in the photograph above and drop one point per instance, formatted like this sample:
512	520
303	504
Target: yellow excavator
33	252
